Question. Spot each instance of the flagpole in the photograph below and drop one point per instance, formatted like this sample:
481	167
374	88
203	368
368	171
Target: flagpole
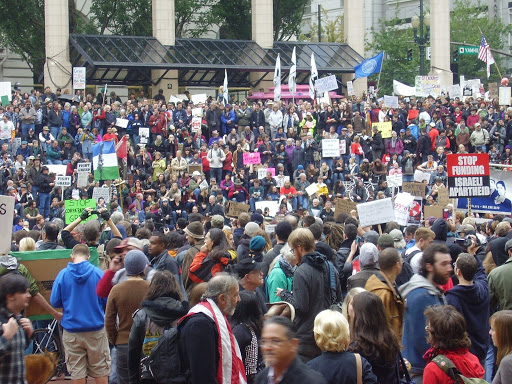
495	63
378	78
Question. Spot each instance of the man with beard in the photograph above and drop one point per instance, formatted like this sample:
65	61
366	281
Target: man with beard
210	350
422	291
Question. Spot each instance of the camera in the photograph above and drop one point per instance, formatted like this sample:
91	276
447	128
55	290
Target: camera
467	241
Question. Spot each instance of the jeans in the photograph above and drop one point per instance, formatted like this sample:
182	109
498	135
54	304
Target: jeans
175	216
408	178
26	127
54	131
112	379
302	201
337	176
44	204
489	363
122	363
252	202
53	162
217	173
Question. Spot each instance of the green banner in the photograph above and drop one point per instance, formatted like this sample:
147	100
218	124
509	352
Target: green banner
74	209
5	100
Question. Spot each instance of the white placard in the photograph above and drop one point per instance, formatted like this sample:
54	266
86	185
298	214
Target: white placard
326	84
504	95
421	176
375	212
5	89
122	123
402	206
62	181
7	217
280	180
79	74
201	98
82	179
394	181
350	88
144	135
330	148
98	192
56	169
273	206
312	189
428	85
454	91
391	101
83	167
343	147
270	228
175	100
203	185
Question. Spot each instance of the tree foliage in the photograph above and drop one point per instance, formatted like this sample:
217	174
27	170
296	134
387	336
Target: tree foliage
234	19
332	29
122	17
288	16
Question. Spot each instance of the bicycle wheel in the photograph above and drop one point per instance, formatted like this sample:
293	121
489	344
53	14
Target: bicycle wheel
46	342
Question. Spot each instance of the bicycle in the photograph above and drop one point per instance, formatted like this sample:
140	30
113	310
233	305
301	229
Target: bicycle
46	340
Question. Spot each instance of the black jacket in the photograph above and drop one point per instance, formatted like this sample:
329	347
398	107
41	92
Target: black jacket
297	372
340	368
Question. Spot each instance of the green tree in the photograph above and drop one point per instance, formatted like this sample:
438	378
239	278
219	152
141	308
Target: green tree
234	19
122	17
332	29
288	16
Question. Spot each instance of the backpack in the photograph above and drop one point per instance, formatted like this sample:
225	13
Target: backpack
446	365
164	364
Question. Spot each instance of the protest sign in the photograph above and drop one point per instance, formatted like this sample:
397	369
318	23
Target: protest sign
326	84
468	175
79	77
375	212
83	167
384	128
350	88
402	205
442	197
196	124
7	217
252	158
504	95
203	185
432	211
5	91
330	148
344	206
280	180
415	211
272	206
420	176
144	135
56	169
343	147
415	189
16	143
122	123
62	181
428	85
454	91
270	228
312	189
234	208
98	192
82	179
200	98
74	209
195	168
391	101
394	181
493	91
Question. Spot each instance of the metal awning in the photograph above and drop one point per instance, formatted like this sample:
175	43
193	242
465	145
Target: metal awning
129	60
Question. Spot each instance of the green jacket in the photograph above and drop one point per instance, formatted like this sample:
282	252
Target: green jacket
277	279
500	286
9	263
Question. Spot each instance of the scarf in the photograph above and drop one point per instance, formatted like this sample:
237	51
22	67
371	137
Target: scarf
286	267
231	368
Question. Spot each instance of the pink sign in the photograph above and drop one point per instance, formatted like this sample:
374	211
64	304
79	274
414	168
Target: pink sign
252	158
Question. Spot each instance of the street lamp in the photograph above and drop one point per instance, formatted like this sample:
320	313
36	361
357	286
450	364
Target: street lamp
422	38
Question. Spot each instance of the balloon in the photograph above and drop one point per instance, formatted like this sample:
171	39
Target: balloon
504	82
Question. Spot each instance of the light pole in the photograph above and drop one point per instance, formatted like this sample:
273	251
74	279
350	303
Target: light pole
422	38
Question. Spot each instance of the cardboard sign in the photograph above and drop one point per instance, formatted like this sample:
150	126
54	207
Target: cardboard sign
312	189
195	168
375	212
415	189
252	158
493	91
98	192
83	167
44	266
74	209
468	175
330	148
442	197
122	123
272	206
384	129
402	205
6	217
344	206
234	208
79	77
432	211
391	101
62	181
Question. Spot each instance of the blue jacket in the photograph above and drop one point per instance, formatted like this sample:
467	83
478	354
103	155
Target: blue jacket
74	290
473	302
419	294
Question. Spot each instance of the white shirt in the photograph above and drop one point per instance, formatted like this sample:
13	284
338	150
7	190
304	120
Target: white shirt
6	130
416	259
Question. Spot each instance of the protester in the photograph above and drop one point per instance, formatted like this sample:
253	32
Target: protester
501	327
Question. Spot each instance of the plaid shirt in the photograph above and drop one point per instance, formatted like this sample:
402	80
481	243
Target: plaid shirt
12	354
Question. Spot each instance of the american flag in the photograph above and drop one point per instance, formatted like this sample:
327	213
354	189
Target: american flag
485	54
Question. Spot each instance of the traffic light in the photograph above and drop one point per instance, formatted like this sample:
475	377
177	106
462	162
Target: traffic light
409	54
455	55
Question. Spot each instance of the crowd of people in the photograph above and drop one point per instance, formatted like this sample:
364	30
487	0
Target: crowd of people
305	295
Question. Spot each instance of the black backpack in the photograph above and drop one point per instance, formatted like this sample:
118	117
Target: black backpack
164	364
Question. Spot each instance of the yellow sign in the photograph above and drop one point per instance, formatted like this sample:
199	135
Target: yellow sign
384	129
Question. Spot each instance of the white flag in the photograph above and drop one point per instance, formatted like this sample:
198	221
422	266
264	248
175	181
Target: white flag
277	79
312	78
292	85
225	94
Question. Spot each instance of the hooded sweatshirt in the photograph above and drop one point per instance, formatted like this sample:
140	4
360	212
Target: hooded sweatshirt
74	290
472	301
419	294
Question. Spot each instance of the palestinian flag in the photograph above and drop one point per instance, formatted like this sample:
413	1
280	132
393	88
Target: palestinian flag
104	161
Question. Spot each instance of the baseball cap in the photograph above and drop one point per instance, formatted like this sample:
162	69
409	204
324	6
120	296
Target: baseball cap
217	221
369	255
386	241
371	237
467	229
130	242
247	265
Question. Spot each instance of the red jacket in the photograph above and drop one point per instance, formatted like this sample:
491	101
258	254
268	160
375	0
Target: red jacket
466	363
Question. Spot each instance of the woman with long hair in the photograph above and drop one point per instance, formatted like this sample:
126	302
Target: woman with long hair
161	308
501	334
336	364
373	338
247	323
446	333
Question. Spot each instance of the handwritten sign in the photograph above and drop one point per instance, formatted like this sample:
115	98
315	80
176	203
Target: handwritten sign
442	197
312	189
272	206
394	181
195	168
330	148
79	77
504	95
74	209
391	101
122	123
402	205
82	179
83	167
203	185
493	91
375	212
432	211
252	158
100	192
420	176
415	189
350	88
7	216
344	206
326	84
280	180
234	208
384	128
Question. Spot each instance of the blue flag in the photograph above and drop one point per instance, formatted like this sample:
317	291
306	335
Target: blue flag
369	66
